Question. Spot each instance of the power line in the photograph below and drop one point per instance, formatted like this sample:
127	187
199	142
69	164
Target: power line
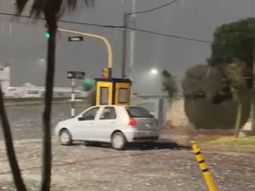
63	21
91	24
153	9
117	27
170	35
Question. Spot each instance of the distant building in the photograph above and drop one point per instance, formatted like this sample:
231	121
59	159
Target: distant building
5	77
30	90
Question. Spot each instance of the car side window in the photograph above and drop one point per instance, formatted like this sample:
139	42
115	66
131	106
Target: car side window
90	114
108	113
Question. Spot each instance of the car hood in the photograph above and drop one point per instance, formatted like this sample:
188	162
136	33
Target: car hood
65	122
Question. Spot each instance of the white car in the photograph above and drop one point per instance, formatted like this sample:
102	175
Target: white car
113	124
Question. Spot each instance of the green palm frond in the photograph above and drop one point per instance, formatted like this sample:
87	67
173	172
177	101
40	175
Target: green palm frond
56	7
38	7
20	5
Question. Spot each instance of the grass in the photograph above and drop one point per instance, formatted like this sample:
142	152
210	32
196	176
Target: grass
228	143
226	140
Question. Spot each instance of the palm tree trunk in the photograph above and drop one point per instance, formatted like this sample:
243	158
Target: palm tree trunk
238	119
47	155
16	173
252	115
252	111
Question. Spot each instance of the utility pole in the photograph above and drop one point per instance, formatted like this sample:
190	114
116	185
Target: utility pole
126	24
128	19
124	45
132	38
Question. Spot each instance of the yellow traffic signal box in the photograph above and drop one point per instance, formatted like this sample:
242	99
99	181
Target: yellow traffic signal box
114	91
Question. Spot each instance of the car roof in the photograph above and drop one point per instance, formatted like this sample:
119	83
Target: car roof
116	106
120	106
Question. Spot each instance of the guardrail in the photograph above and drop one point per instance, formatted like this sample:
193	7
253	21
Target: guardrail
38	101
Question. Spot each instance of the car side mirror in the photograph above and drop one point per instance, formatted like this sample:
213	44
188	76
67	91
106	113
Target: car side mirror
152	114
81	118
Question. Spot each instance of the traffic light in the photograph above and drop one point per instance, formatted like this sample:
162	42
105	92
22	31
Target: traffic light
105	73
46	35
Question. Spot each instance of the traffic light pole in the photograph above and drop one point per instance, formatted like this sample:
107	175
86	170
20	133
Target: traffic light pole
105	40
73	98
110	73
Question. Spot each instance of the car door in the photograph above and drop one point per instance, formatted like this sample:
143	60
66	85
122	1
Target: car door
105	124
85	124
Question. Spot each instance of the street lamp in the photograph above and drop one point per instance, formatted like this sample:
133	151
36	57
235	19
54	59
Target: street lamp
154	71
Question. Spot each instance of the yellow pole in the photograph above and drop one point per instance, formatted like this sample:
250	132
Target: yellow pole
105	40
204	168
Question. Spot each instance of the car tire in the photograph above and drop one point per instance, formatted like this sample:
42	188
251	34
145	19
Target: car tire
65	137
118	141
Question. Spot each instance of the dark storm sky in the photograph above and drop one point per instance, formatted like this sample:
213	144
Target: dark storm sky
23	46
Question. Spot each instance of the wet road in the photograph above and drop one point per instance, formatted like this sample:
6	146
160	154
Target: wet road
26	121
163	167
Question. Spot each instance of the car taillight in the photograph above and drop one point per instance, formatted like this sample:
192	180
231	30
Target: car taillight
132	122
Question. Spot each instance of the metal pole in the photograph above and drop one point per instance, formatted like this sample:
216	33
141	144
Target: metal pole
73	98
132	38
124	45
105	41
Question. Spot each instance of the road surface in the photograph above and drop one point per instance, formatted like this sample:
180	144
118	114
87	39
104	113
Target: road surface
159	167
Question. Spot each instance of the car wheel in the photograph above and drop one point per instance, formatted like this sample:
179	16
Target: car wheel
65	137
118	141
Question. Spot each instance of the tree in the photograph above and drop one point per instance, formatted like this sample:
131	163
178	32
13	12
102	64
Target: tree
169	84
209	100
236	81
203	81
234	41
237	41
52	11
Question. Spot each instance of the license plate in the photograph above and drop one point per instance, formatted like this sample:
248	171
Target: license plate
147	124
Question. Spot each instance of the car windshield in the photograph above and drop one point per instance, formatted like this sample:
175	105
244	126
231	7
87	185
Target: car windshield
138	112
